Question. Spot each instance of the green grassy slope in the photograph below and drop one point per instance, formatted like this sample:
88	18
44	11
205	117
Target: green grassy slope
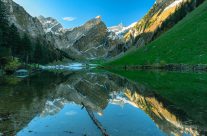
185	43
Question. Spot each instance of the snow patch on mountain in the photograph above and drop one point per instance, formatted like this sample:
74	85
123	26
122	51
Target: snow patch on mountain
51	25
175	3
121	29
91	40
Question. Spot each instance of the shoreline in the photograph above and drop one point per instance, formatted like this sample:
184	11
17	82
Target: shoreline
167	67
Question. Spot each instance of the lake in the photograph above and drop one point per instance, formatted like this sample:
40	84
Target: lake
96	103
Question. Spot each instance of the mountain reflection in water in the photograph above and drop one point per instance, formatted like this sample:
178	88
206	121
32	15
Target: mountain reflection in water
144	103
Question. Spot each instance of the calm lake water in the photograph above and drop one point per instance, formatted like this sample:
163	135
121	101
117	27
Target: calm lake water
80	103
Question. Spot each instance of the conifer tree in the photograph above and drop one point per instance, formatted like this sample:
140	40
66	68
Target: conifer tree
26	48
38	54
4	26
14	40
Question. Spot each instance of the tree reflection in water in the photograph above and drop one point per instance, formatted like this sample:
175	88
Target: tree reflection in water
47	93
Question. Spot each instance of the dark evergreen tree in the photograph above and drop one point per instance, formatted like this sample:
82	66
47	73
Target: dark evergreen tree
14	41
38	53
11	44
4	26
198	2
26	48
180	13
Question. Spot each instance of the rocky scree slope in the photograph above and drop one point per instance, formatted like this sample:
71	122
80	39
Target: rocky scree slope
91	40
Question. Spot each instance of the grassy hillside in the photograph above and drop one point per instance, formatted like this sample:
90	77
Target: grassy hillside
185	43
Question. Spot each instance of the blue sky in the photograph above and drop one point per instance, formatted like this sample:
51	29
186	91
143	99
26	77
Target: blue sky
73	13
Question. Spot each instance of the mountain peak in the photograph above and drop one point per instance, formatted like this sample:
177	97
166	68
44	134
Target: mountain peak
159	1
93	22
98	17
50	24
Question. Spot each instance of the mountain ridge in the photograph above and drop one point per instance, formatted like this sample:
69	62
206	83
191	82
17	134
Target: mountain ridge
180	45
143	32
89	41
93	40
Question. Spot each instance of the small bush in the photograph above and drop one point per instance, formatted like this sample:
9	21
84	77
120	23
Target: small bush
11	65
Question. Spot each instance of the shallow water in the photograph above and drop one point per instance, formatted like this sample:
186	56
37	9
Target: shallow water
135	103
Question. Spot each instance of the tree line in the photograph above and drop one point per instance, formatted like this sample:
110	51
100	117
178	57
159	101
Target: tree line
179	14
16	47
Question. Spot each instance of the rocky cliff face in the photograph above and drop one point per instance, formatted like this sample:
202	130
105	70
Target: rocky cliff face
50	25
144	31
91	40
31	26
23	21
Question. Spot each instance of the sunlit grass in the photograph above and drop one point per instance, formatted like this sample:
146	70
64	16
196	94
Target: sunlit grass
185	43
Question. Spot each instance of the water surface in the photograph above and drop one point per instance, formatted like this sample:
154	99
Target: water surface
124	104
